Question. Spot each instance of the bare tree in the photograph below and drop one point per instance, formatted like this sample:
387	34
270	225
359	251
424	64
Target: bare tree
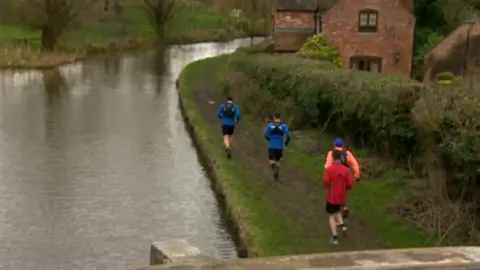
255	10
51	17
159	12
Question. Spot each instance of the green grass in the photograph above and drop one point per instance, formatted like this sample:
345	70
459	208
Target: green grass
13	31
267	233
193	22
190	23
264	232
371	197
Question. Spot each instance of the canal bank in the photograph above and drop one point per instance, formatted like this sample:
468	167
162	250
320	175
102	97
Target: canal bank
112	32
96	164
287	216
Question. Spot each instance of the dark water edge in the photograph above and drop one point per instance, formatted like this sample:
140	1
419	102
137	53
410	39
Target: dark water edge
230	223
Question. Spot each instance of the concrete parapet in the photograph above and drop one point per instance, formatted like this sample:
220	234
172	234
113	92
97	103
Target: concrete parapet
176	251
447	258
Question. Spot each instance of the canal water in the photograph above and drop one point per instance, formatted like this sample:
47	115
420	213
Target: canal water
95	164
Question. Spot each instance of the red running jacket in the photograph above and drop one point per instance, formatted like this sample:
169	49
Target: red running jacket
337	180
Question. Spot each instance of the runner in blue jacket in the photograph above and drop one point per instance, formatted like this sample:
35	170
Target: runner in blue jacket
275	131
229	113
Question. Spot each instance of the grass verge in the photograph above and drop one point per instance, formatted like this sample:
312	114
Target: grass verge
262	231
372	197
19	45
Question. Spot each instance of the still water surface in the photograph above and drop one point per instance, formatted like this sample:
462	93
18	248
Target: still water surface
95	164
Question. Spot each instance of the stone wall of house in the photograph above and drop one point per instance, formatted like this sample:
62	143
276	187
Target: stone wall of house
393	41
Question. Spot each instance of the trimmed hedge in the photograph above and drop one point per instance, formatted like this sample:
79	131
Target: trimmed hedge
368	109
398	117
448	117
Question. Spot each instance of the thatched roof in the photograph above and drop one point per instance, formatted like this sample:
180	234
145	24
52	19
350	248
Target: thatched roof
449	55
408	5
304	5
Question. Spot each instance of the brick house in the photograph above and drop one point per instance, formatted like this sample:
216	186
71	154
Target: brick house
370	35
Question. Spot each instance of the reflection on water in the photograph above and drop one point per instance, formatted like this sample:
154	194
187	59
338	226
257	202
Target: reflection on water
95	164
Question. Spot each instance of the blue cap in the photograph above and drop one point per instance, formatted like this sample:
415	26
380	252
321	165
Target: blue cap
338	142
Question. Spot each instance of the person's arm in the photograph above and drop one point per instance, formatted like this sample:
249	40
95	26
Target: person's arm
352	162
287	135
220	111
266	134
326	178
349	180
237	113
328	159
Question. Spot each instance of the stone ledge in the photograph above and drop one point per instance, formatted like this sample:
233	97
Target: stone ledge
176	251
451	258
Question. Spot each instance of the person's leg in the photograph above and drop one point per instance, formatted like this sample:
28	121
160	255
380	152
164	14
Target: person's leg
333	224
226	141
345	211
339	221
276	169
332	211
227	137
271	158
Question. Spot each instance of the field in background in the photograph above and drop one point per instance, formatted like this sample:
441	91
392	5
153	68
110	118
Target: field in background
106	32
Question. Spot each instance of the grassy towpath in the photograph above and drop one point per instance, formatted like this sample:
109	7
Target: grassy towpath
286	216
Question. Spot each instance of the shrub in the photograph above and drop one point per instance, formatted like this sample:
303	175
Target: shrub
368	108
448	117
445	78
318	47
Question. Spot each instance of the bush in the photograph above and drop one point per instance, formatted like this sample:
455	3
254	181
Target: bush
401	118
318	47
369	109
448	117
445	78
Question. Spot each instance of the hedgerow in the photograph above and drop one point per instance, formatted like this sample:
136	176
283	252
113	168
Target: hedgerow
438	127
449	116
369	109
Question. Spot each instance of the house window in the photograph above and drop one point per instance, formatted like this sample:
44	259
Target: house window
366	63
367	20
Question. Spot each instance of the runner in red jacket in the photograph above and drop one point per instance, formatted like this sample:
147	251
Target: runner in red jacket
337	180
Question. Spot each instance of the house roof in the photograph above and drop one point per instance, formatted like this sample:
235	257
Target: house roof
459	35
311	5
408	5
451	48
304	5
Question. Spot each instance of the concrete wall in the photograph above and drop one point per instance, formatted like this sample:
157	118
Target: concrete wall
179	255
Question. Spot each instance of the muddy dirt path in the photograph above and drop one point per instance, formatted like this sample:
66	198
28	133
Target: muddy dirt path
295	195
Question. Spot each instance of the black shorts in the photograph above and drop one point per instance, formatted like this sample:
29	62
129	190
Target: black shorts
332	208
275	154
228	130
